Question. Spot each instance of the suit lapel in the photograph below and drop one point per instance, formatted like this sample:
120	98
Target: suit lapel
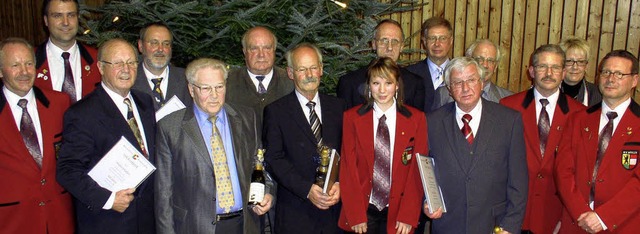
47	129
87	68
113	119
403	140
455	139
192	130
147	117
299	117
243	164
364	129
12	138
589	135
628	124
485	132
530	122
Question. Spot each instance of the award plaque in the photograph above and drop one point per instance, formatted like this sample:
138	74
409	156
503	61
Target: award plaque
432	190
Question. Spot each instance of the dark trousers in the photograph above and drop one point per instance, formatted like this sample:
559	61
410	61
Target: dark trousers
377	220
231	226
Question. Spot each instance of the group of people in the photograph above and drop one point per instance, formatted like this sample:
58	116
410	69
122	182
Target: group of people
559	157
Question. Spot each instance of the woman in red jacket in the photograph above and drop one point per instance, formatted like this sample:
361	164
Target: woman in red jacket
381	187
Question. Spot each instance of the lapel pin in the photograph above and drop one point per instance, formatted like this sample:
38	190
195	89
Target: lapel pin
402	133
87	67
559	128
44	71
586	129
629	131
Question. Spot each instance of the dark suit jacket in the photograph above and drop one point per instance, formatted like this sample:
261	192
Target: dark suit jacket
356	171
177	85
241	90
543	204
617	193
484	185
91	127
185	191
89	60
421	69
351	88
31	200
290	148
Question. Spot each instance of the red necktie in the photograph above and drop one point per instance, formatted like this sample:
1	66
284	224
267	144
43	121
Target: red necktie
466	129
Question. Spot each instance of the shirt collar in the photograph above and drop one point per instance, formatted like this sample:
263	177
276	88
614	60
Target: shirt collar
203	117
620	109
268	75
553	98
114	96
55	50
150	75
13	98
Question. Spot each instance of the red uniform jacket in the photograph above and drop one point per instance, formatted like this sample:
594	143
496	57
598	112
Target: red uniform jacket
543	205
617	193
90	74
356	171
31	200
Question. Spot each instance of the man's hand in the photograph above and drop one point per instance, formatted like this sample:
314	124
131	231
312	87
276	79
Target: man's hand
264	205
589	222
123	199
434	215
321	200
360	228
334	194
402	228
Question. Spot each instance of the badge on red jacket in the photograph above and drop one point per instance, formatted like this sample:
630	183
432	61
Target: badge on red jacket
629	159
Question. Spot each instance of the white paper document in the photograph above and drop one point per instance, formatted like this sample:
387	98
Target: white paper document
432	190
169	107
122	167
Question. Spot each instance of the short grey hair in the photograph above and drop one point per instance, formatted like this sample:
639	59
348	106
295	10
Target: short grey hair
198	64
459	64
289	54
15	40
472	47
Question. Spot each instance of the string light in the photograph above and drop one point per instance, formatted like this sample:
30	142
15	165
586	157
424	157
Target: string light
339	3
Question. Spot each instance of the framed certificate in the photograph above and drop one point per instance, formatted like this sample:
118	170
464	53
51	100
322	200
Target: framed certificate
432	190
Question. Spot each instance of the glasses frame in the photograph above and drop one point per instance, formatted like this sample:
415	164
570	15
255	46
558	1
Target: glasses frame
470	82
434	39
120	65
571	62
207	90
616	74
543	68
303	70
386	42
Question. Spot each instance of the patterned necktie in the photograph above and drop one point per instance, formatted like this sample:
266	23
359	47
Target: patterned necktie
603	143
68	85
133	124
381	169
314	121
466	129
157	92
439	78
224	190
261	88
28	132
543	125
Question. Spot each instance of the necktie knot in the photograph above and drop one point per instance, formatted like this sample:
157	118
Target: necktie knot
612	115
466	118
23	103
383	118
260	78
156	81
544	102
65	55
311	105
213	119
128	102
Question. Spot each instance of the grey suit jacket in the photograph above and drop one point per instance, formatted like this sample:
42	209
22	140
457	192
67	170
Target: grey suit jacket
241	90
490	92
186	190
177	85
484	184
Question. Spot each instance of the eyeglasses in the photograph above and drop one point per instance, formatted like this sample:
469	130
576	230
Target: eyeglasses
305	69
434	39
570	62
156	43
469	82
387	42
481	59
543	68
618	75
206	90
120	65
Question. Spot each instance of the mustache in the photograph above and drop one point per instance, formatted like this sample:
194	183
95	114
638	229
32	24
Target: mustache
310	80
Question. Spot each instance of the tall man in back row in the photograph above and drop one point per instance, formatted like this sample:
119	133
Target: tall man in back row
597	166
64	64
294	126
91	128
155	76
545	110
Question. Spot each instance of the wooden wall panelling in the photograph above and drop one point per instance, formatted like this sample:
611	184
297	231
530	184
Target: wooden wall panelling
543	13
568	19
555	22
505	42
593	33
621	25
473	24
633	40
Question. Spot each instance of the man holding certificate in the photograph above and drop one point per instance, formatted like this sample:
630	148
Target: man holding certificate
480	159
205	156
92	127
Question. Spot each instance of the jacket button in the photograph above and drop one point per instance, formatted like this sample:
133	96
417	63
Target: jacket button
43	181
41	203
600	180
540	176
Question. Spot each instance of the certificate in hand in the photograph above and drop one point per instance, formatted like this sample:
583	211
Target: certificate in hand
122	167
169	107
430	185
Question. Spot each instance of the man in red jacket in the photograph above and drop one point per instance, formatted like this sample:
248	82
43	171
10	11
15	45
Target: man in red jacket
31	201
544	110
63	64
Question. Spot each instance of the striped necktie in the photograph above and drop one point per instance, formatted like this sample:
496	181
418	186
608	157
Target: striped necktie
466	129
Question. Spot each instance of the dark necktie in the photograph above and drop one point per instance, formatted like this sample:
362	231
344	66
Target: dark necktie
543	125
68	85
603	143
224	188
381	169
28	132
466	129
261	89
131	120
157	92
314	121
